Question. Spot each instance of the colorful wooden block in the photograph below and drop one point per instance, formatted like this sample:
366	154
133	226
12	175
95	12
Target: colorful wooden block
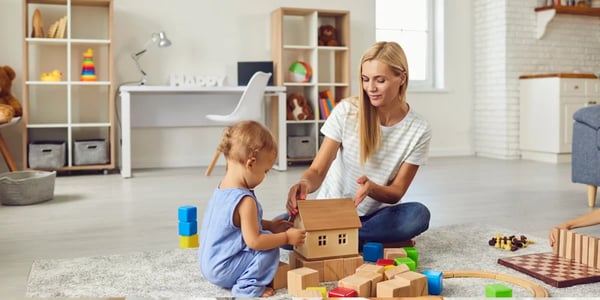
372	251
498	290
280	279
406	261
360	284
188	241
301	278
321	289
188	228
393	288
391	253
413	254
434	281
187	213
385	262
342	292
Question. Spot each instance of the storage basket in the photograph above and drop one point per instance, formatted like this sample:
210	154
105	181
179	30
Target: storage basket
90	152
301	146
26	187
47	154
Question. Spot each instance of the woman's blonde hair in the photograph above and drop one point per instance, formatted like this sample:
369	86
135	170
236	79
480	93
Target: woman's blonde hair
244	140
391	54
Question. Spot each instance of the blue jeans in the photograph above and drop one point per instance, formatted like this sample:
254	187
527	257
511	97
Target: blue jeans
391	224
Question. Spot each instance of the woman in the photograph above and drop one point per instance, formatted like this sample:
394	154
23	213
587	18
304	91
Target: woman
372	150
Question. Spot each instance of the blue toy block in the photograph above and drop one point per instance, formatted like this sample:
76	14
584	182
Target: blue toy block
188	228
413	254
372	251
187	213
498	290
434	281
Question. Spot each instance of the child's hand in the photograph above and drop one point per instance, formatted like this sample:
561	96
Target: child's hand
280	225
296	236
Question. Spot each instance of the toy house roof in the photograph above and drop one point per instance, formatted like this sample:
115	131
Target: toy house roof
328	214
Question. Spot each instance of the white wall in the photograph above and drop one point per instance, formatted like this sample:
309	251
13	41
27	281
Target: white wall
209	37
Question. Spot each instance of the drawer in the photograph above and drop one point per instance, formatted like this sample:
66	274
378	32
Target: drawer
592	88
573	87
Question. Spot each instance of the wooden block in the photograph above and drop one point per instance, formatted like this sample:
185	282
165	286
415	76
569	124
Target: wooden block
585	248
418	283
570	245
393	288
562	246
301	278
333	269
556	234
280	279
321	289
309	294
341	292
577	251
318	265
373	277
370	268
190	241
292	261
391	253
385	262
593	252
361	285
391	273
351	263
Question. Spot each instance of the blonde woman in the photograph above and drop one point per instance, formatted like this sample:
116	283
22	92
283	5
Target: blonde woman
373	146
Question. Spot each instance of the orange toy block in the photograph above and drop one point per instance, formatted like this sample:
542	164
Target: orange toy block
280	279
333	270
373	277
301	278
418	283
391	253
360	284
394	288
391	273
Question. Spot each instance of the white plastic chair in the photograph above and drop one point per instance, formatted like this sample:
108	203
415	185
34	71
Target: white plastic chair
250	107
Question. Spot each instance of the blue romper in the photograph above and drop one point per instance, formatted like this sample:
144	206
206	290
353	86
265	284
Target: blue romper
224	257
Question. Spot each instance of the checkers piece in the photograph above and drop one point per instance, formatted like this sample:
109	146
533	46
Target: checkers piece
553	270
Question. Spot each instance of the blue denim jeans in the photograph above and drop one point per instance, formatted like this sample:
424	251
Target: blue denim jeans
391	224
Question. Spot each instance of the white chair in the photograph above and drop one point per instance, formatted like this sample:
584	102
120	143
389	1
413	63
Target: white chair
250	107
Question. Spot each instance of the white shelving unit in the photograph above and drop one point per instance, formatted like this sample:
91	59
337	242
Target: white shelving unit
69	110
294	37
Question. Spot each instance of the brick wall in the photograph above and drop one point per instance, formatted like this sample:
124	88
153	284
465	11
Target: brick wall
506	47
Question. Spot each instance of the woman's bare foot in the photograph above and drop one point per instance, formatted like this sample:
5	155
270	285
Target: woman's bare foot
268	292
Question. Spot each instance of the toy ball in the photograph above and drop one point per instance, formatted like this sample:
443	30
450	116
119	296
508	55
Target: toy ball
300	71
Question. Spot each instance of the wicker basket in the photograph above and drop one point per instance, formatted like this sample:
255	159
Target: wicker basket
26	187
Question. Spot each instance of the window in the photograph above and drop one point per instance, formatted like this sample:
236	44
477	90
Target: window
342	239
418	27
322	240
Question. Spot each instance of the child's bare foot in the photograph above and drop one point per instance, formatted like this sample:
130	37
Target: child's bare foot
268	292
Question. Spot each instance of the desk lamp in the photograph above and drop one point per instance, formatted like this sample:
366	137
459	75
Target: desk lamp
159	39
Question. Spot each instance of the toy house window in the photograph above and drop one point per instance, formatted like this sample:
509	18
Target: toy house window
342	238
322	240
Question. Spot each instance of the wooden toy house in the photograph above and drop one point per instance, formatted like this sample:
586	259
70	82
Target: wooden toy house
331	228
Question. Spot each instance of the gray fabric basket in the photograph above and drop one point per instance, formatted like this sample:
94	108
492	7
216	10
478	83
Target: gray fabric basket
47	154
90	152
26	187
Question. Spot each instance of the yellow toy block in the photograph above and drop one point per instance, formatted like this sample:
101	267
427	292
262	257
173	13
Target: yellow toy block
321	289
188	241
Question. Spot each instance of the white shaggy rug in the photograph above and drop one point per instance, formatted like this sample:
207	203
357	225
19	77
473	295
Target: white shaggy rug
174	273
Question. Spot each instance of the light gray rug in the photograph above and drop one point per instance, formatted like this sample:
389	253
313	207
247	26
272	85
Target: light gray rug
174	273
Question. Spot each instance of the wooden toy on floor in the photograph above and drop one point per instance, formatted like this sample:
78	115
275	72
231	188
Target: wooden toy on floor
512	243
434	281
301	278
536	289
498	290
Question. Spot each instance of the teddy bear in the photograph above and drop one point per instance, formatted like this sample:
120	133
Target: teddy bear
9	105
298	108
327	36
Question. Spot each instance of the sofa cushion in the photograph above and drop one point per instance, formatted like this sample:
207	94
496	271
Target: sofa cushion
589	115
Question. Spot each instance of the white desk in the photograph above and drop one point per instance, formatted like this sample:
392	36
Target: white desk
126	116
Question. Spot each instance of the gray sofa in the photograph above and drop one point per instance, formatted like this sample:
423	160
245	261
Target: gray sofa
585	163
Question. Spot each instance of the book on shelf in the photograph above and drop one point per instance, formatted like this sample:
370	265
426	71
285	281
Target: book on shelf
324	108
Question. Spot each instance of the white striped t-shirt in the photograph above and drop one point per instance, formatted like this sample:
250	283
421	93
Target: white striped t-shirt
406	141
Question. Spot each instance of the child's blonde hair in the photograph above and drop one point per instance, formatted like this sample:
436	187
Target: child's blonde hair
243	140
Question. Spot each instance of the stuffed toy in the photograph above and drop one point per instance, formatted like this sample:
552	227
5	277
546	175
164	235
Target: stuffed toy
9	105
327	36
298	108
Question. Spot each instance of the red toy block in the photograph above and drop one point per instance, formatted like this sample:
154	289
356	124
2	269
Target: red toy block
342	292
385	262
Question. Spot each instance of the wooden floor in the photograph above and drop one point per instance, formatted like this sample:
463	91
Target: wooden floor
106	214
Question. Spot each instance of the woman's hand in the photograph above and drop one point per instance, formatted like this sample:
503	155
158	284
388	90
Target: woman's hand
280	225
297	191
364	188
295	236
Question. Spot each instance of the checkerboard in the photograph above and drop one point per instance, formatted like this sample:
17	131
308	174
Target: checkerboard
553	270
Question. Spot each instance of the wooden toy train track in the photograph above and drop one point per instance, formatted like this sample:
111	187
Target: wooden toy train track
537	290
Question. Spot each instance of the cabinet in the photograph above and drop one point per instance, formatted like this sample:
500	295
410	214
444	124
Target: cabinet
545	14
294	37
547	105
69	110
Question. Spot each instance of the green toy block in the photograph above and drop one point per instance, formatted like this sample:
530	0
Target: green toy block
498	290
406	261
413	254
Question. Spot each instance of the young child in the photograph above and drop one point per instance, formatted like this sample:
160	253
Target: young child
238	249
